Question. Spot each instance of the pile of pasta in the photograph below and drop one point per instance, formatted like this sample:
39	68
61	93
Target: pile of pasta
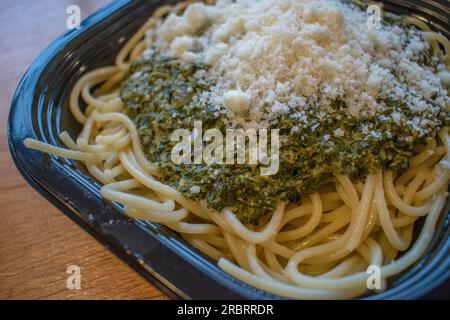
319	248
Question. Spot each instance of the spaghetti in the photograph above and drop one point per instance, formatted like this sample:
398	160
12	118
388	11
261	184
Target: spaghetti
319	248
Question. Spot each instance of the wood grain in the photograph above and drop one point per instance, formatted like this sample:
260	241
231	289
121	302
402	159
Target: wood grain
37	242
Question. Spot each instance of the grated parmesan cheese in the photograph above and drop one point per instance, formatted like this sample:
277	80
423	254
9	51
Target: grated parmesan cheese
180	45
272	57
339	132
236	101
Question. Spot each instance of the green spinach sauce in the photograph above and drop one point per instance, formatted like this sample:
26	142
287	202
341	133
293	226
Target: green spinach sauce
161	95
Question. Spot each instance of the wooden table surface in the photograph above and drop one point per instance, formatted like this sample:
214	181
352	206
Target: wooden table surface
38	242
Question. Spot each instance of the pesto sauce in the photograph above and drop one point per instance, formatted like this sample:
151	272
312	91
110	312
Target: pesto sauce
161	95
